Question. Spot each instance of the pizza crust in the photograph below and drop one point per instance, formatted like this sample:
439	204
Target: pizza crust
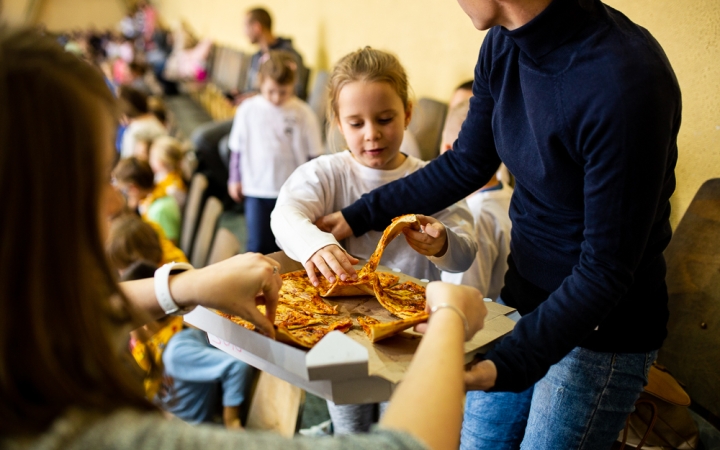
377	331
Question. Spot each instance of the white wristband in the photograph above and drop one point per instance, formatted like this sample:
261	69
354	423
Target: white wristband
458	311
162	288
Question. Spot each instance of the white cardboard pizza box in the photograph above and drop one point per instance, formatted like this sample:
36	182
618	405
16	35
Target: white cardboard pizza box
342	368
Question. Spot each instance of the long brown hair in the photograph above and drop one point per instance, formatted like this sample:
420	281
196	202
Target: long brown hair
61	310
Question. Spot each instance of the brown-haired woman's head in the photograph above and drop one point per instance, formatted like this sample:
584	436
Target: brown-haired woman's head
130	240
368	65
57	289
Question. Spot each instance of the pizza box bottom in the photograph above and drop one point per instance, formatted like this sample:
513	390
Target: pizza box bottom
343	368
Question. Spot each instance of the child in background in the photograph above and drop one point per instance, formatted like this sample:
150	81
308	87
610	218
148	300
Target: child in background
131	239
272	134
369	104
136	180
166	154
489	206
185	375
141	120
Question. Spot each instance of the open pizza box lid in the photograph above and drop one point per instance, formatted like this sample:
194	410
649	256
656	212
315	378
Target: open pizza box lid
342	368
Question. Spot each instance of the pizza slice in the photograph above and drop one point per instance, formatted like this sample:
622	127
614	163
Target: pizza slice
404	300
362	286
235	319
292	318
395	228
377	331
307	337
298	293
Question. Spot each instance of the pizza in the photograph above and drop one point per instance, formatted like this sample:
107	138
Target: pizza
303	317
298	293
297	328
391	232
377	331
403	300
362	286
292	318
235	319
307	337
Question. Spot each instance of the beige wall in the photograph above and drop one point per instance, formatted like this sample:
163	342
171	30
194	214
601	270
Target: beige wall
438	45
60	15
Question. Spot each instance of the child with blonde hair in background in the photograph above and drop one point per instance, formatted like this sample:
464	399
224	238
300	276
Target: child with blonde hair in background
165	158
273	133
369	104
489	206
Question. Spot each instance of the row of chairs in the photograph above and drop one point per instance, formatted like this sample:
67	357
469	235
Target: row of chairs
200	238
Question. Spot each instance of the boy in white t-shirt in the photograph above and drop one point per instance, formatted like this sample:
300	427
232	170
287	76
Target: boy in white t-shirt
273	133
489	207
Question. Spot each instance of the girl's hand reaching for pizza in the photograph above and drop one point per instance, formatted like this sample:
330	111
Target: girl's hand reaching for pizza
332	261
235	286
467	300
431	240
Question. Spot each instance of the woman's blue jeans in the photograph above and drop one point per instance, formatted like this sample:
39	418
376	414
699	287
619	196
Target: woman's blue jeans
581	403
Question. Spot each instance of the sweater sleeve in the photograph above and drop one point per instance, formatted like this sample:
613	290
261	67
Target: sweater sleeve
627	141
306	196
462	246
126	429
446	180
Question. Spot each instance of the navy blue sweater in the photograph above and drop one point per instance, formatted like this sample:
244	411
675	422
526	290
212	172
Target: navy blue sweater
584	109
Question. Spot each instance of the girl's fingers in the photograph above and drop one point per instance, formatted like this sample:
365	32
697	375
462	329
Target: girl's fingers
343	267
321	264
261	322
310	269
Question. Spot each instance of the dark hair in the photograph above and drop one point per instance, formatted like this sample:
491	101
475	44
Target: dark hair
465	86
131	240
57	289
280	66
135	171
134	103
139	270
261	16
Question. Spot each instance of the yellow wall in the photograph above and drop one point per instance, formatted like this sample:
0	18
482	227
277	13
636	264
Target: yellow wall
61	15
438	46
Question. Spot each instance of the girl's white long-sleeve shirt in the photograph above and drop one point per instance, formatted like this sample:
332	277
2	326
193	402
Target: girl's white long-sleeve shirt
332	182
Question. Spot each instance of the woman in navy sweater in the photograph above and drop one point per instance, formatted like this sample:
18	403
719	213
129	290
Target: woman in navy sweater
583	107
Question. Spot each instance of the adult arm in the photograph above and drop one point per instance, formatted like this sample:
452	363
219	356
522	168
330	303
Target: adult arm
427	404
235	286
444	181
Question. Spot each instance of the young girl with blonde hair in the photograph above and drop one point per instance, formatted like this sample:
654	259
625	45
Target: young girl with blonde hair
369	103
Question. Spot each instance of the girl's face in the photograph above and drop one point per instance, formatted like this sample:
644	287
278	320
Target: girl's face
372	118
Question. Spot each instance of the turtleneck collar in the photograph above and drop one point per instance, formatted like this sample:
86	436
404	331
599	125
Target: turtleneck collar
551	28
